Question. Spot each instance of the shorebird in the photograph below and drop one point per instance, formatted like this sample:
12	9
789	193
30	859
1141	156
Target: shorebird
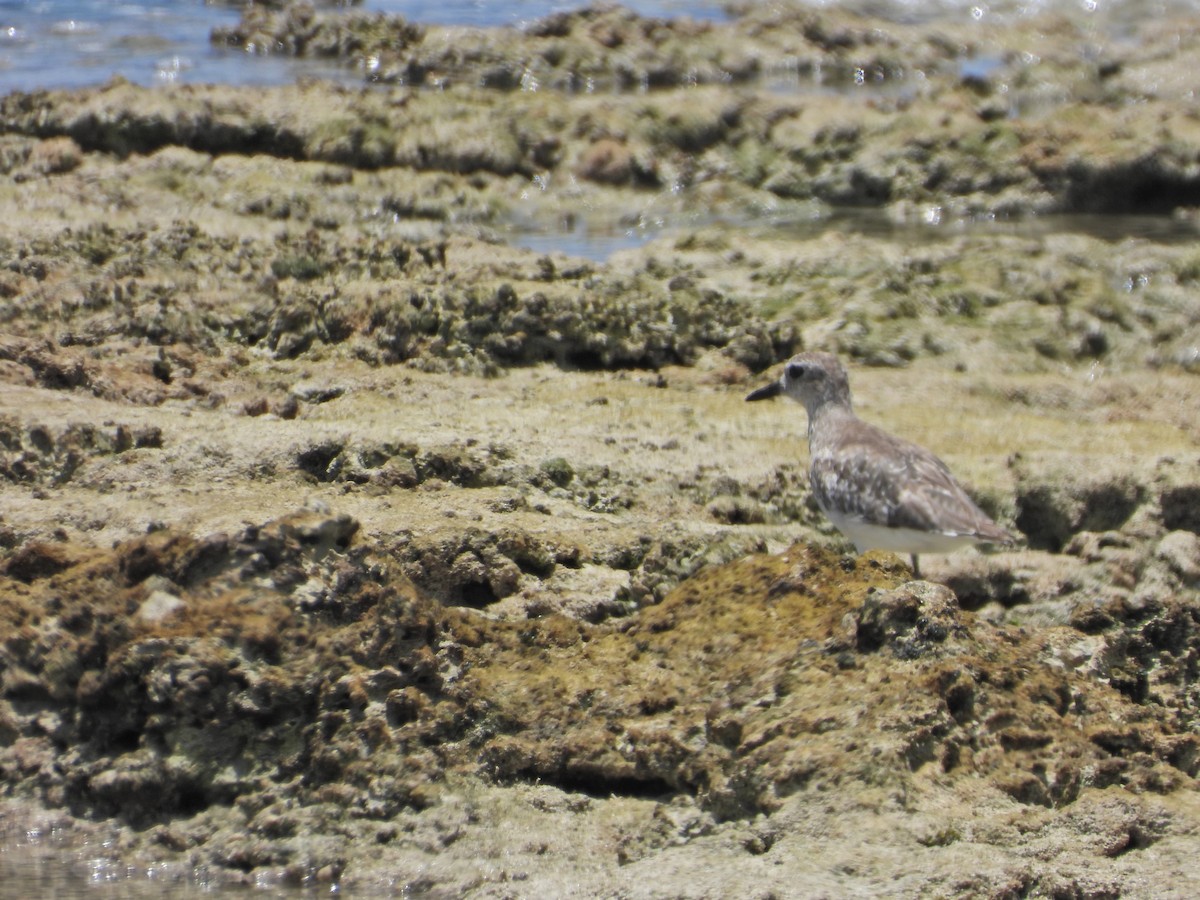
880	491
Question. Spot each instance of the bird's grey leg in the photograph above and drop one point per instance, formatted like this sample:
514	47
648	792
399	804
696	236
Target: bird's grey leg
916	565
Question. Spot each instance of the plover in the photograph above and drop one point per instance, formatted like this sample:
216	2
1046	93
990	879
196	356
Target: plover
882	492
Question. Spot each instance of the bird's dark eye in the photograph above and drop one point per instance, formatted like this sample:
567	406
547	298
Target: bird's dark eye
796	371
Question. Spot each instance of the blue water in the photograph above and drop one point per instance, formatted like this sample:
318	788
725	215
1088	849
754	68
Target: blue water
78	43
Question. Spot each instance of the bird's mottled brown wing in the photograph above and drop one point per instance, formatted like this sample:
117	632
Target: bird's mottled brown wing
887	481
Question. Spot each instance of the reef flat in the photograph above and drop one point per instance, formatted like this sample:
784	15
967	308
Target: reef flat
345	540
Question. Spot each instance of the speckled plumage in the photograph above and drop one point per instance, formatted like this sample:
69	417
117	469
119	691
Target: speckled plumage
882	492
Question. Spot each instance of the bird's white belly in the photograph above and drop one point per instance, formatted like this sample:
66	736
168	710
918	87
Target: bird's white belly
896	540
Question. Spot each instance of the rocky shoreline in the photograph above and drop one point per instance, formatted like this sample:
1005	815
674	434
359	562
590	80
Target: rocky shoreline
342	541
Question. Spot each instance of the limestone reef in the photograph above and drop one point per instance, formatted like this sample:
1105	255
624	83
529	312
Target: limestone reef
343	540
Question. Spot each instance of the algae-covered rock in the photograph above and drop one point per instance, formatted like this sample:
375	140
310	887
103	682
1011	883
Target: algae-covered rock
290	646
1178	485
1054	505
41	455
911	621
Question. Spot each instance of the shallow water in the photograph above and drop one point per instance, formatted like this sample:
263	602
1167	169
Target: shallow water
78	43
599	240
43	867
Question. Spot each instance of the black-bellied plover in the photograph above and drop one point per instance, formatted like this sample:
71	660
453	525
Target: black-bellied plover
882	492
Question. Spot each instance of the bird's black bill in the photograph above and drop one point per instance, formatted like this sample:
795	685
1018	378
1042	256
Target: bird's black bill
774	389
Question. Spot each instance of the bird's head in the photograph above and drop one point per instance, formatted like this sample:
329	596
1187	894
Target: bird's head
813	379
